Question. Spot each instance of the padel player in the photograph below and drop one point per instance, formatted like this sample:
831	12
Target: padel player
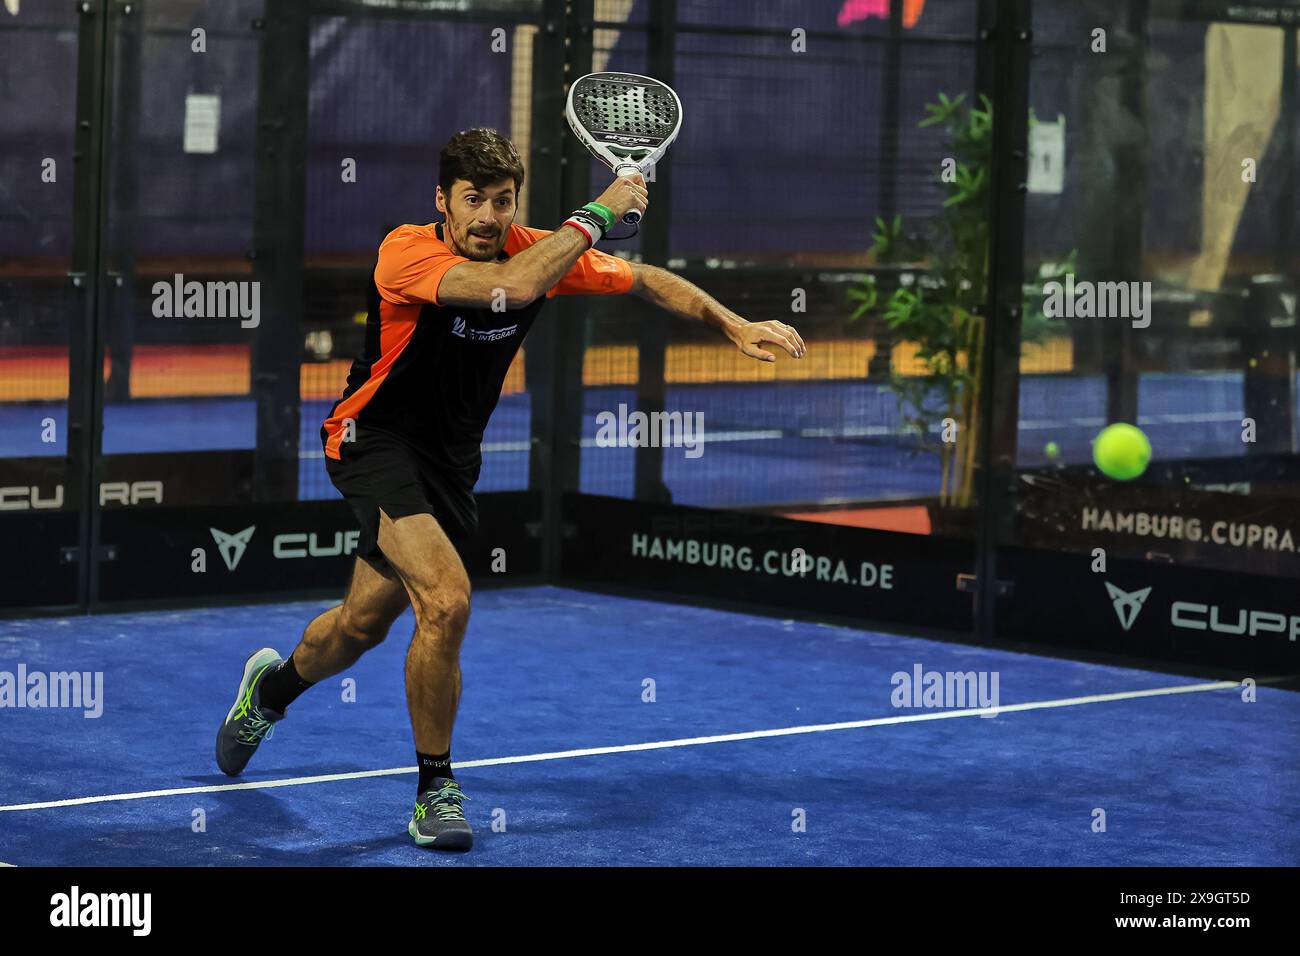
450	304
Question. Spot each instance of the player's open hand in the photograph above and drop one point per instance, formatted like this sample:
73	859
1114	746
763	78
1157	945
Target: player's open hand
750	337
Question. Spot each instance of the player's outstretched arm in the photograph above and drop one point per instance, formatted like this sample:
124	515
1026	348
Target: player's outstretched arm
674	294
483	284
529	274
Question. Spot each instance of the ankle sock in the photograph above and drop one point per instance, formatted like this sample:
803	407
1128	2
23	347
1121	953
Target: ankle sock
282	686
431	766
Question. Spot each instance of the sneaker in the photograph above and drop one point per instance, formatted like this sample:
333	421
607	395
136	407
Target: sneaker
248	723
438	820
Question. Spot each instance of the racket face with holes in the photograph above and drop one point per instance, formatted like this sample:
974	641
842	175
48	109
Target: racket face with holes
626	120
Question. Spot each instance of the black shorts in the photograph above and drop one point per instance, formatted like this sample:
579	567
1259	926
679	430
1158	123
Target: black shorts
379	470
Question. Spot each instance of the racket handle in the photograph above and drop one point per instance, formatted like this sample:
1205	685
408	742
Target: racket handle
632	216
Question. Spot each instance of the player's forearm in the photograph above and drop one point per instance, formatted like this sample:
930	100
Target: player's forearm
539	267
684	299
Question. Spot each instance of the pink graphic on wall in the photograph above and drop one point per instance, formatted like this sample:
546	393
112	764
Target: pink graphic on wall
855	10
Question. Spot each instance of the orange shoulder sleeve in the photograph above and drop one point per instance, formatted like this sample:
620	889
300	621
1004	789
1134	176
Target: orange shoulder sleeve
412	261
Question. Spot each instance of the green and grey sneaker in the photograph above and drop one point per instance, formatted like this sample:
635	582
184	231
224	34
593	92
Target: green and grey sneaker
248	723
438	820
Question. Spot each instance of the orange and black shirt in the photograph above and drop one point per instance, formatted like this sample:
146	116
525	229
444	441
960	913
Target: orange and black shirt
431	374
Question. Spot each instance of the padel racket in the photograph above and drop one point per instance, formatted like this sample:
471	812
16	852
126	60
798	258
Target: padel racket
625	120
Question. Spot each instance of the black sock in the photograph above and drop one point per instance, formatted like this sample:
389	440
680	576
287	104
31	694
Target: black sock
433	765
282	686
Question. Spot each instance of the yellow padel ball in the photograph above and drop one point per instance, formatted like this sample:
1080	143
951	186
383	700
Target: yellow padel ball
1121	451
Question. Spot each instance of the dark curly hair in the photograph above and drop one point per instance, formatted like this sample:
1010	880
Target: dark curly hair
481	156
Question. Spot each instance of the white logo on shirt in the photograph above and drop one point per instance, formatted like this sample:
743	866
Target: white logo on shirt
461	329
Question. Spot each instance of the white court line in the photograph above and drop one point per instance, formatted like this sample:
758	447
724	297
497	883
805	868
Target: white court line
656	745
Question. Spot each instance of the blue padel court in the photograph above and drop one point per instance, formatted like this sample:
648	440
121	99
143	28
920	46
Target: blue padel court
767	741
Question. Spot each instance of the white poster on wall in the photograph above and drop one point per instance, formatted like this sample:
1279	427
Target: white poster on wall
1047	156
202	120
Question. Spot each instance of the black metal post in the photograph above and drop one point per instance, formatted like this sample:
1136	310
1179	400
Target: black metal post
123	197
1126	243
1268	386
1008	35
1284	258
278	239
556	343
85	347
652	330
881	361
1284	248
